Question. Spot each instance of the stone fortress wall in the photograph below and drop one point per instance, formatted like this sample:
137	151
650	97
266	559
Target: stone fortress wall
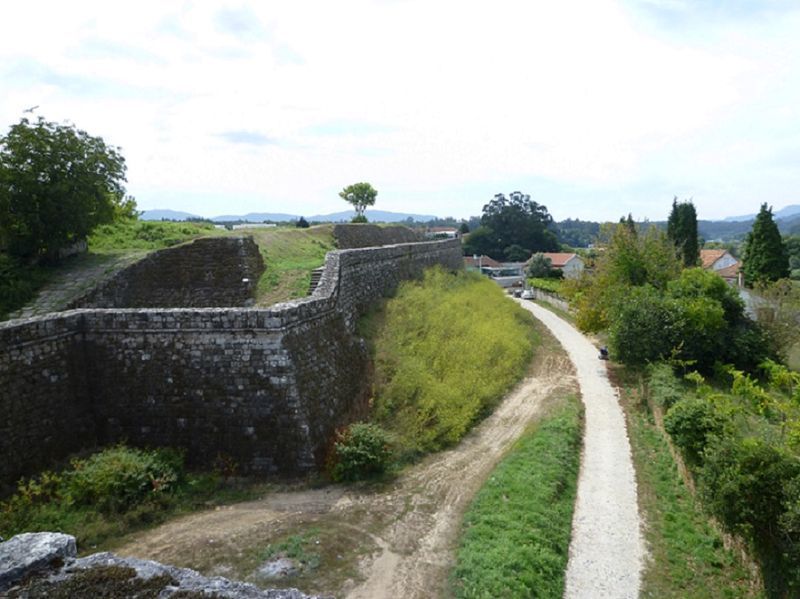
266	388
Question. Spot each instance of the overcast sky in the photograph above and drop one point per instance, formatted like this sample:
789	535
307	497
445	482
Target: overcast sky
596	108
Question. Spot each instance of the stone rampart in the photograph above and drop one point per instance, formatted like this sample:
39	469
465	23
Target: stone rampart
266	388
204	273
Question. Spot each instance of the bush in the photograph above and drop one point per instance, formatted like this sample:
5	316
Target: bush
361	451
692	423
120	477
744	483
18	284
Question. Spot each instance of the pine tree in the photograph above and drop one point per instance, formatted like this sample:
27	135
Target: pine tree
682	230
765	256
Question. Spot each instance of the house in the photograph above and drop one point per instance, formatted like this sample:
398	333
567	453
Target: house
568	263
724	264
480	262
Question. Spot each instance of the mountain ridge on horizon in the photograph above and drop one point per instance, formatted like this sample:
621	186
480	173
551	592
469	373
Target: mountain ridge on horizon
258	217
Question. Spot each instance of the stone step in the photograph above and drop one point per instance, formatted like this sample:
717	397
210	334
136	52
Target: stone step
316	275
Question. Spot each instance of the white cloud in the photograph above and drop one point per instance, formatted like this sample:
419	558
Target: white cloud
574	99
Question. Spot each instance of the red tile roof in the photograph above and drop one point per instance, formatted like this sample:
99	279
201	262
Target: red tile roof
559	259
484	261
708	257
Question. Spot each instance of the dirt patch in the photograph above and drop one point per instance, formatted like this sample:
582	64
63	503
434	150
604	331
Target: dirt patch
392	540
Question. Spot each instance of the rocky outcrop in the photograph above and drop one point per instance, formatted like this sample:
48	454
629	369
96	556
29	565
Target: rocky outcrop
45	564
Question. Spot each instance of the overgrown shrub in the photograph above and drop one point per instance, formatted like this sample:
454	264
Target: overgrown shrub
16	284
361	451
693	423
753	488
120	477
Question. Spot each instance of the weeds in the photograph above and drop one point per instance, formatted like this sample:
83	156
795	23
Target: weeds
446	349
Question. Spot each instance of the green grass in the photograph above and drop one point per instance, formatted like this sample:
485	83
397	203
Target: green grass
551	285
515	540
446	349
145	235
290	254
688	557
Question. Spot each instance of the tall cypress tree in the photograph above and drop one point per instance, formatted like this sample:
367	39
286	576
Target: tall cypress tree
765	255
682	230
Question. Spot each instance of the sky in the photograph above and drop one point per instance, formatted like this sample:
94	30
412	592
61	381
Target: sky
596	108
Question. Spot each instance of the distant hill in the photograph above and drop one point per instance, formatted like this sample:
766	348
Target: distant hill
166	215
380	216
783	213
256	217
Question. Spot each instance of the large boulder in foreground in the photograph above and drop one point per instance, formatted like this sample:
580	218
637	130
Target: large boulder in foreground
45	564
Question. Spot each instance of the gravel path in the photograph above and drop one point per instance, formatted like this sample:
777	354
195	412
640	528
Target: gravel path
607	550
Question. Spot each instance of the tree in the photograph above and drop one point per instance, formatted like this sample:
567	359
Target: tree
540	267
765	256
302	223
464	228
56	184
360	195
517	220
682	230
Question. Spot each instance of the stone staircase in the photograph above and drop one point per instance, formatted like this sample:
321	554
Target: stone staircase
316	275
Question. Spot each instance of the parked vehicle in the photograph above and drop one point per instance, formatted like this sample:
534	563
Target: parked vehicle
527	294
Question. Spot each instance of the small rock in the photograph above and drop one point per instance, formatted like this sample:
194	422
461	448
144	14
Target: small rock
282	567
29	552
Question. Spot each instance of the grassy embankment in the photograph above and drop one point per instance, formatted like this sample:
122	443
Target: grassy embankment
688	555
516	535
290	254
446	349
19	283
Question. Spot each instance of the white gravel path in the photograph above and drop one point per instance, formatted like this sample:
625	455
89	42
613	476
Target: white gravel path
607	550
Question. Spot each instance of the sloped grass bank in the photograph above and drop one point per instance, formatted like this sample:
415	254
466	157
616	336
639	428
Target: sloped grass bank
688	557
135	234
290	254
446	349
515	541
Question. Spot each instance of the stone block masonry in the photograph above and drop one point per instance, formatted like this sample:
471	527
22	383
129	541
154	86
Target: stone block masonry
204	273
266	388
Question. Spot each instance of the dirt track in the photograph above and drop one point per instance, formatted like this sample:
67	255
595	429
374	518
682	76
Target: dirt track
398	541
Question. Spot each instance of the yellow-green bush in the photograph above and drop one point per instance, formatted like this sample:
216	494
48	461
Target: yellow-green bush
446	350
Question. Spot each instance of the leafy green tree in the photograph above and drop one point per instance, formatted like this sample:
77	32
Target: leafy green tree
480	242
629	260
540	266
682	230
463	228
517	220
56	184
360	195
765	256
516	253
792	243
302	223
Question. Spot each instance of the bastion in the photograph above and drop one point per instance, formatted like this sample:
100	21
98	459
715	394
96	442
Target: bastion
265	389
